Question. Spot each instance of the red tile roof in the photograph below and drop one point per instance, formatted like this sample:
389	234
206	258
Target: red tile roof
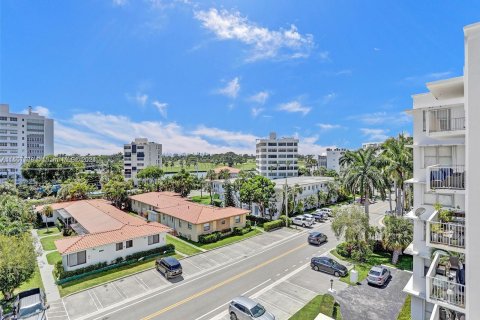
173	205
230	169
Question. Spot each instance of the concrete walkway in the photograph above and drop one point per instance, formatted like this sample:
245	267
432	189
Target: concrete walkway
46	270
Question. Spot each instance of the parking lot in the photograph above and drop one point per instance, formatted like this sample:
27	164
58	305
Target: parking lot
95	299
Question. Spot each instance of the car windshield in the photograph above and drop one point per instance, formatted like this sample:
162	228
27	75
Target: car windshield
374	273
257	311
30	310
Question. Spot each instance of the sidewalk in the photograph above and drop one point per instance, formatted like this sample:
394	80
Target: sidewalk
46	269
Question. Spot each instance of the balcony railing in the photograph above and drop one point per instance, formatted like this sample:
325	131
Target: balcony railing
447	124
446	177
448	234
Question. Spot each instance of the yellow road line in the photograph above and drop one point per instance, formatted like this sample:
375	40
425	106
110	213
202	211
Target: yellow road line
221	284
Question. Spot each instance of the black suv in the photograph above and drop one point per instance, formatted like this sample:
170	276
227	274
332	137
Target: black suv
317	238
169	266
328	265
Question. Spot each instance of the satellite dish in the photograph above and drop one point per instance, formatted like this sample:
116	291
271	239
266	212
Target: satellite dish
420	211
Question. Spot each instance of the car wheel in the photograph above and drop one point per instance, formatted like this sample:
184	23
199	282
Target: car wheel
303	225
315	268
233	316
336	274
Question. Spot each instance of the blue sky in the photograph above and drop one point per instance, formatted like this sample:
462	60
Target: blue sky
212	76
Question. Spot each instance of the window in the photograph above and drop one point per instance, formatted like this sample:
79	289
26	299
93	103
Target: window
189	226
77	258
129	244
153	239
119	246
237	219
179	223
206	227
424	114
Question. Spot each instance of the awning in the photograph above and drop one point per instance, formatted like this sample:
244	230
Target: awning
64	214
78	228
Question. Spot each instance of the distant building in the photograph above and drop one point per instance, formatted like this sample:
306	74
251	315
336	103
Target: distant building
22	137
140	154
232	171
333	158
277	158
322	161
371	144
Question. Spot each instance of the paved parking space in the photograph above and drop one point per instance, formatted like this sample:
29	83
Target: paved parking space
57	311
365	302
80	304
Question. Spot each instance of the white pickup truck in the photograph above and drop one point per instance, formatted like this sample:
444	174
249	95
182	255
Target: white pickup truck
302	221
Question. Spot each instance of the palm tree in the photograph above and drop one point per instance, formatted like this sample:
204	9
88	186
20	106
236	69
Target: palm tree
296	191
397	159
362	173
47	211
211	175
397	235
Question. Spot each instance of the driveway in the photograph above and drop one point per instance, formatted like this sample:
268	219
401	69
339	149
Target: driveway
365	302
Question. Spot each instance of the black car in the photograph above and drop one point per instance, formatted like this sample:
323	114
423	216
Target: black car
317	238
169	266
328	265
29	305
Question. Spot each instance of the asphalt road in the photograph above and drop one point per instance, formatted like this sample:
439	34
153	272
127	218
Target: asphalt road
207	294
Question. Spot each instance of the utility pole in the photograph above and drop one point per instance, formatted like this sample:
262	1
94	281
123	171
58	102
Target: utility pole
286	192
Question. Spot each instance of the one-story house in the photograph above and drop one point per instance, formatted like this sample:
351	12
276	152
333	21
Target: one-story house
187	219
232	171
104	233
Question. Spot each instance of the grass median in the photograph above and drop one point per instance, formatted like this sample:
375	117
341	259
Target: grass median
405	313
324	304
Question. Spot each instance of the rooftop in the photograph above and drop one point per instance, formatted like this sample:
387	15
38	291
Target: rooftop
230	169
173	205
302	180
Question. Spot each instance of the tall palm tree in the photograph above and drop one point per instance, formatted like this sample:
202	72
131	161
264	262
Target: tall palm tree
397	235
210	176
47	211
397	160
362	173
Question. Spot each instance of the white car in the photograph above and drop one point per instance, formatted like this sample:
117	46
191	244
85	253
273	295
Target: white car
326	211
302	221
308	215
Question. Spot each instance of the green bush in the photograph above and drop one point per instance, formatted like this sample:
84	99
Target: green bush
209	238
328	305
168	248
248	224
259	220
273	225
344	249
217	202
284	219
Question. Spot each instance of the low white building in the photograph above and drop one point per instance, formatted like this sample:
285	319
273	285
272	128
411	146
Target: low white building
367	145
104	233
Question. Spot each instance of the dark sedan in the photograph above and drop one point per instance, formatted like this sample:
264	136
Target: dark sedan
328	265
317	238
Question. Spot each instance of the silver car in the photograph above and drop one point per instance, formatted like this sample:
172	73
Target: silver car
243	308
378	275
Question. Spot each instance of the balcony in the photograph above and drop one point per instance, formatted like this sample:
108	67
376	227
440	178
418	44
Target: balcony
447	235
451	177
446	122
446	282
441	313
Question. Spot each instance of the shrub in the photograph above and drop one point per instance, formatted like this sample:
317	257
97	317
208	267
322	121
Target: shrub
248	224
361	251
168	248
217	202
344	249
259	220
273	225
59	224
284	219
328	305
209	238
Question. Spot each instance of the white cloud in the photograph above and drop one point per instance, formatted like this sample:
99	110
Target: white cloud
231	89
265	43
119	3
375	134
161	107
328	126
43	111
329	97
294	106
423	78
376	49
395	118
257	111
308	145
260	97
239	139
139	98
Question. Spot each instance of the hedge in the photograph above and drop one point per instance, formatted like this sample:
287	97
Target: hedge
65	276
275	224
259	220
218	235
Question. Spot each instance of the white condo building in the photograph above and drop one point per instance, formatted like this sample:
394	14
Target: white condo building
277	158
333	158
140	154
22	137
446	157
322	161
367	145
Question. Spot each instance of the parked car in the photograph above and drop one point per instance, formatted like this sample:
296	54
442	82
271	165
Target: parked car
326	211
317	238
328	265
29	305
378	275
308	215
319	216
302	221
243	308
169	267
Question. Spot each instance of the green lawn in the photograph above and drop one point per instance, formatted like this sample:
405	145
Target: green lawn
404	263
205	199
48	242
226	241
43	232
315	306
405	313
106	276
53	257
182	246
205	166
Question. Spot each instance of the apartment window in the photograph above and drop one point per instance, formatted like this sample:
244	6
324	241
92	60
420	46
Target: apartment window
237	219
424	235
3	118
189	226
153	239
13	119
119	246
437	155
179	223
77	258
206	227
223	221
129	244
424	120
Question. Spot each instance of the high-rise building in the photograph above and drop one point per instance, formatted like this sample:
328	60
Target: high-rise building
446	194
333	158
322	161
277	158
22	137
140	154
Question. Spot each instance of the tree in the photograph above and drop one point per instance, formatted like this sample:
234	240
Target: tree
362	173
211	175
75	190
150	173
224	174
15	213
321	198
262	192
47	211
296	191
8	187
397	235
17	262
116	190
51	169
229	201
183	182
310	202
